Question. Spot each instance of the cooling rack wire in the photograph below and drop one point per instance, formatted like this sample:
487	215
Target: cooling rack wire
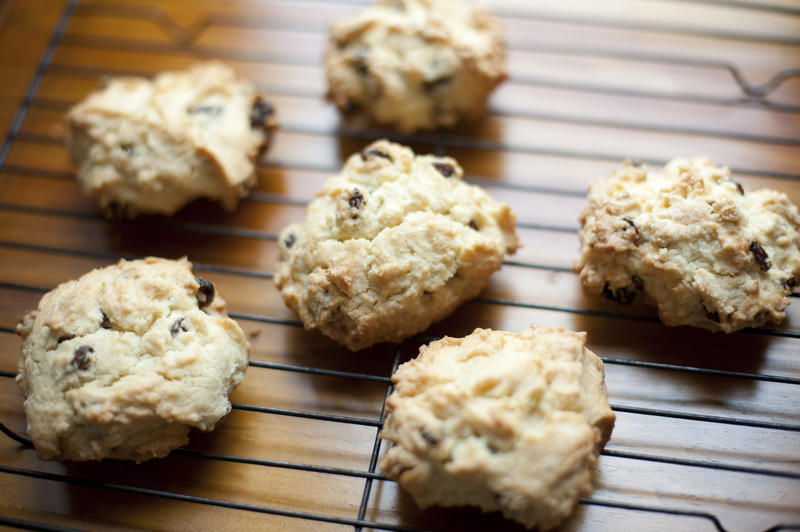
708	430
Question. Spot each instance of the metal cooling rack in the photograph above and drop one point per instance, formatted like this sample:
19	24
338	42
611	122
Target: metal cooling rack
182	38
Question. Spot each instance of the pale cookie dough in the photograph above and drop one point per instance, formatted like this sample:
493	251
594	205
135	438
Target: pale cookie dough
415	64
392	244
152	146
691	240
122	362
506	422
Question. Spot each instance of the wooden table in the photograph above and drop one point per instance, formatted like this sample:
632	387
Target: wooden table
592	83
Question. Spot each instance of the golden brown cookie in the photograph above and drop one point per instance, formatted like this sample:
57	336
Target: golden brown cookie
694	242
124	361
415	64
506	422
147	146
392	244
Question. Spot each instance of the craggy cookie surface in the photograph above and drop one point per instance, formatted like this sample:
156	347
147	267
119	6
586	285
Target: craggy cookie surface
415	64
152	146
502	421
123	361
392	244
691	239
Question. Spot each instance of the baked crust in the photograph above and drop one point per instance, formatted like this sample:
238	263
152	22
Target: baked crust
503	421
123	361
692	241
151	146
415	64
392	244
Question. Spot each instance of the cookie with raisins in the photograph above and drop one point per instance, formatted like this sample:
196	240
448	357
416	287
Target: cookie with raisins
124	361
415	64
390	245
145	146
692	241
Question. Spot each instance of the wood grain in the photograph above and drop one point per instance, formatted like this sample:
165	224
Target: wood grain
591	84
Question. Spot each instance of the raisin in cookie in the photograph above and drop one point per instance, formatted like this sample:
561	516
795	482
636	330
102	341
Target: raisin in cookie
153	146
502	421
392	244
691	239
415	64
124	361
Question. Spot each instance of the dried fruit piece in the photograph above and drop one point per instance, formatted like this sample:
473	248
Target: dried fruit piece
81	358
638	237
356	199
177	326
621	295
260	112
760	255
205	294
444	169
713	316
372	152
